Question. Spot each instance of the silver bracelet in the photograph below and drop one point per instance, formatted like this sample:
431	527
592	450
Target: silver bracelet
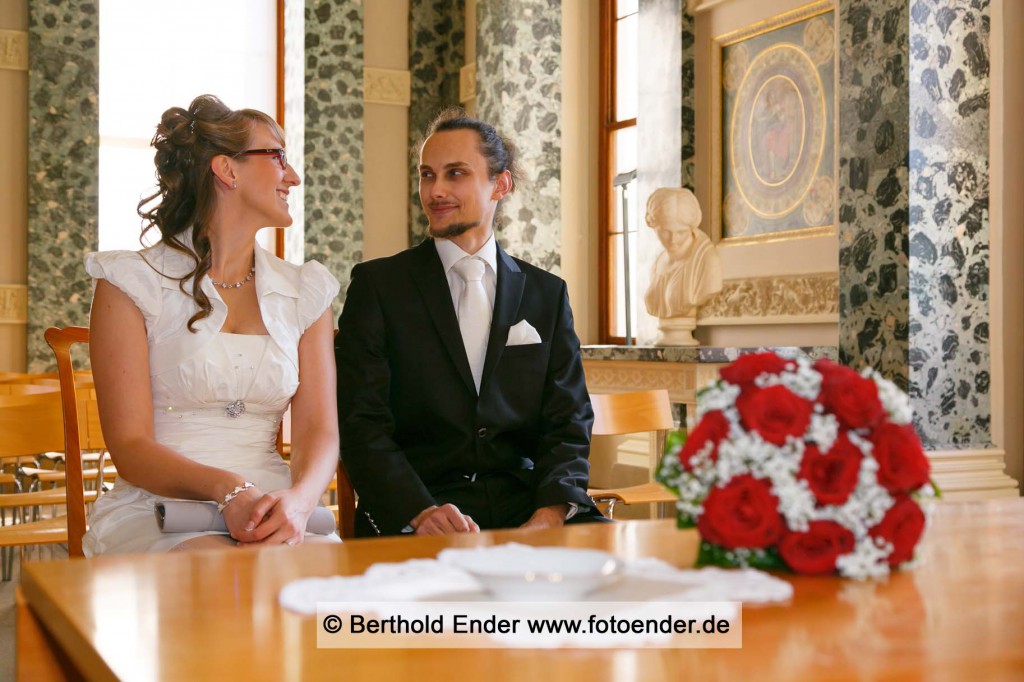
239	489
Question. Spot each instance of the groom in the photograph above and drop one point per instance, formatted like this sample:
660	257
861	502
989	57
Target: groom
461	397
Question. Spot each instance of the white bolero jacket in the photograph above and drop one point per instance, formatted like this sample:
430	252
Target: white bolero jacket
291	298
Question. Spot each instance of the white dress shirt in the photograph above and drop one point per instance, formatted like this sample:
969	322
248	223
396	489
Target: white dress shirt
451	254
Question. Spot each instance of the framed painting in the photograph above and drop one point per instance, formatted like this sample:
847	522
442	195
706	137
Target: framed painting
773	127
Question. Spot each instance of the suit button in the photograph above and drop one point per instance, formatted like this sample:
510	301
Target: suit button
482	433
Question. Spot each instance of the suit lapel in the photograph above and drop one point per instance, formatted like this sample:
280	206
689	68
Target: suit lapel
430	278
508	294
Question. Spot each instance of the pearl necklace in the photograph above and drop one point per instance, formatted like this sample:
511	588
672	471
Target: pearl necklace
236	285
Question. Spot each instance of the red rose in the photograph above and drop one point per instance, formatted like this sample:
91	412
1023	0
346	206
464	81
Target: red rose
852	398
713	427
816	550
746	368
902	525
832	476
774	412
744	513
902	464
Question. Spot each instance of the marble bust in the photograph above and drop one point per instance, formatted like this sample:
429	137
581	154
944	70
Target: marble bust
687	273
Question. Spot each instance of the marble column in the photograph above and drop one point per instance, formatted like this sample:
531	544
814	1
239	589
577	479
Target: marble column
519	74
437	50
914	207
63	163
913	215
334	136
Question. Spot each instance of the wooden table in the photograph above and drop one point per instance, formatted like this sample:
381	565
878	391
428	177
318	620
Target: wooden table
214	615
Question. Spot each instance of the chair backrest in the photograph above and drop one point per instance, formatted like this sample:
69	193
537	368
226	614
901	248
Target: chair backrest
346	504
619	414
31	423
80	430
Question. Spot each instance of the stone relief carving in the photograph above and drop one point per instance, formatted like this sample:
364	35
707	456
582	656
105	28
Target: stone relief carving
386	86
807	295
467	83
13	304
14	50
679	381
687	273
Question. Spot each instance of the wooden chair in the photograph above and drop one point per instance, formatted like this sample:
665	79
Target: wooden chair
346	504
81	429
636	412
31	424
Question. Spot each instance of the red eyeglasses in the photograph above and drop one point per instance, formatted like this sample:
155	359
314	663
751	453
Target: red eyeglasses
279	153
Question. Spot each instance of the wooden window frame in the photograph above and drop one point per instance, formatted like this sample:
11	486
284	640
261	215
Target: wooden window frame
606	164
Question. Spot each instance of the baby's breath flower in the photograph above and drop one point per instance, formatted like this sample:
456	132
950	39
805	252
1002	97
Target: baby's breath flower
867	560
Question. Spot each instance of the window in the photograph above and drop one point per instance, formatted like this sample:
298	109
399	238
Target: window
619	209
227	48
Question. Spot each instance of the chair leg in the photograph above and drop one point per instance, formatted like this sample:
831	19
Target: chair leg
7	560
611	508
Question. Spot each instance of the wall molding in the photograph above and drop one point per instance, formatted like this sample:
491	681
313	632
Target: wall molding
797	299
13	304
386	86
972	474
14	50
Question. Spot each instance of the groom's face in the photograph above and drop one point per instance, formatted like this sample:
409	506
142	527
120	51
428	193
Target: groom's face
456	193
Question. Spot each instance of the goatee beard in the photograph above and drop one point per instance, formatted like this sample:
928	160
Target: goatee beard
453	230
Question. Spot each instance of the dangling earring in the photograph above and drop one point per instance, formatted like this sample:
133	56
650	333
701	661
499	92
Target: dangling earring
234	184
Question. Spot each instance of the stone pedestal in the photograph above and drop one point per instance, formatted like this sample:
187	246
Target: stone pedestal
676	331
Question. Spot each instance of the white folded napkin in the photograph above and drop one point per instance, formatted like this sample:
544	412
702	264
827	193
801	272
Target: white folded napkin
522	333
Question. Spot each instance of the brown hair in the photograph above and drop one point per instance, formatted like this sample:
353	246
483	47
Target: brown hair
499	151
186	141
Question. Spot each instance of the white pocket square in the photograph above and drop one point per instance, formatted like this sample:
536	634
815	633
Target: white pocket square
522	333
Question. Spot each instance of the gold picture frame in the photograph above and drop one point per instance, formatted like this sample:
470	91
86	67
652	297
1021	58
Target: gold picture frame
774	162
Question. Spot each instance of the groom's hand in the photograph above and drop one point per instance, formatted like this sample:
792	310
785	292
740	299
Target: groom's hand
443	520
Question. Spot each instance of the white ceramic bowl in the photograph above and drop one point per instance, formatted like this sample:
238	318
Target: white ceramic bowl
522	573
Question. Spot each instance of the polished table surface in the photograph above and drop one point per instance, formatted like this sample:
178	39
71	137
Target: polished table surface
214	615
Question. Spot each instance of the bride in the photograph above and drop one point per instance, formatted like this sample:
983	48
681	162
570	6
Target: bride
199	343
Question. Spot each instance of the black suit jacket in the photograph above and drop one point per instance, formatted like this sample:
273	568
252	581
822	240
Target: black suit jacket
410	419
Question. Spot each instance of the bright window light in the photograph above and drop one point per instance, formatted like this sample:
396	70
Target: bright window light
155	55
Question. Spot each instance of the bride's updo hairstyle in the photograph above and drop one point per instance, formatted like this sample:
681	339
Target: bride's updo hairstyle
186	141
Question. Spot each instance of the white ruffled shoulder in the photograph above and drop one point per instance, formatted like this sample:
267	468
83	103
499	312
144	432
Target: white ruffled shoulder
317	290
129	272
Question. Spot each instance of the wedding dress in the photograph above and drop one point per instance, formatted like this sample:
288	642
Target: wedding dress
198	379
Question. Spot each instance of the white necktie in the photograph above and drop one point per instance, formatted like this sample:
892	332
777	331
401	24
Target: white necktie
474	314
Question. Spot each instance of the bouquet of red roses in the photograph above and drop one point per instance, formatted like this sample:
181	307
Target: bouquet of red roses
809	466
